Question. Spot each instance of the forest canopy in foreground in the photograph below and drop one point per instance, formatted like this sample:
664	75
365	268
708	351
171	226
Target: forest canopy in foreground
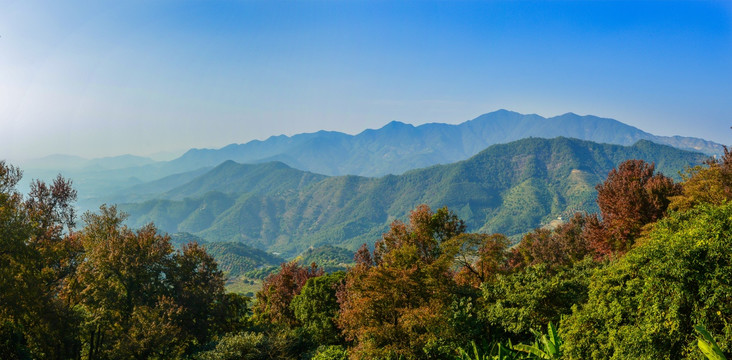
646	278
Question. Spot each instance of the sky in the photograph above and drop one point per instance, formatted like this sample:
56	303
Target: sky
101	78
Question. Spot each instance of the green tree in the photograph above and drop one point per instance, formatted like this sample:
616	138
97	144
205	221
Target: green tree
515	303
316	308
237	346
197	286
645	305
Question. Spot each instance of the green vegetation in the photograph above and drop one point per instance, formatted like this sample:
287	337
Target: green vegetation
649	277
510	189
646	304
237	259
329	258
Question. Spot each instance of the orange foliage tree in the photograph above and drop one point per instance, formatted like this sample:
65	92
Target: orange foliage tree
631	197
278	290
394	302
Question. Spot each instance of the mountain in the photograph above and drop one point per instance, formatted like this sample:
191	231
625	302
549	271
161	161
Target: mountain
507	188
232	178
392	149
398	147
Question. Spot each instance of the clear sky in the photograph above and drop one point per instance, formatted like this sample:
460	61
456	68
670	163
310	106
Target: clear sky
99	78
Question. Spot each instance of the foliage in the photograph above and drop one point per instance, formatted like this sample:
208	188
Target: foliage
706	185
236	346
331	352
262	272
316	308
428	290
562	246
237	259
329	258
477	257
548	346
104	291
708	345
645	304
518	302
139	297
631	197
499	352
37	254
278	290
393	303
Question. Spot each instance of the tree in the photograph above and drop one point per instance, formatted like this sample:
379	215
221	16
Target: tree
140	299
478	257
631	197
198	288
645	305
119	283
37	254
706	185
393	303
565	245
103	292
278	290
515	303
316	308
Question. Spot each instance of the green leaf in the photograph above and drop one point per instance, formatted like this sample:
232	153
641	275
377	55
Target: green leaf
708	346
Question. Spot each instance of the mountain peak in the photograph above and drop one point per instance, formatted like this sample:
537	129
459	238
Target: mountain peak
503	112
397	125
570	114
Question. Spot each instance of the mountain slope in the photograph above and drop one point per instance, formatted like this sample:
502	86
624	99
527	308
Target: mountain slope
508	188
392	149
398	147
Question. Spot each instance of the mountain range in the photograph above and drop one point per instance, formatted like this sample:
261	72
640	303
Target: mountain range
392	149
507	188
398	147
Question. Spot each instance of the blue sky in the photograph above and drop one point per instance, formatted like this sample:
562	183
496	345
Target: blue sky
100	78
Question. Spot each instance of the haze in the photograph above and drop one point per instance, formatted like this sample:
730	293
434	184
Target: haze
99	78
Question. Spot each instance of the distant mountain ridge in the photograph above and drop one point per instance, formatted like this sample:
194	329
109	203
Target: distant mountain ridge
97	164
392	149
508	188
398	147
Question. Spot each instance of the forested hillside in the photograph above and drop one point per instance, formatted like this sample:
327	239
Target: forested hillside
648	277
508	188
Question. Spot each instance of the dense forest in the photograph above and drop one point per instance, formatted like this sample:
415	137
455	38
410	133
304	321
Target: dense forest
648	277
